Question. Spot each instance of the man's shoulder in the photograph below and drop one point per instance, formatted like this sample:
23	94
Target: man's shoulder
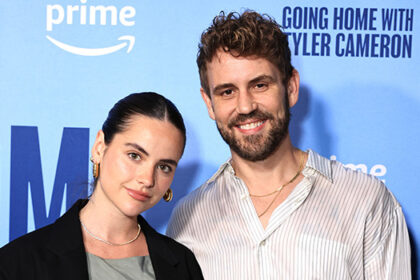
347	176
371	191
210	190
337	172
201	195
195	207
355	183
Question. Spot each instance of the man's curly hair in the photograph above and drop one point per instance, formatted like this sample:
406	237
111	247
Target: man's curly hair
242	35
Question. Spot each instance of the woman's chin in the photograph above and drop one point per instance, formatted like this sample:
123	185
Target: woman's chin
134	209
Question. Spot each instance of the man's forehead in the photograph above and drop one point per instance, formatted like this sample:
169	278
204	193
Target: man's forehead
225	66
222	55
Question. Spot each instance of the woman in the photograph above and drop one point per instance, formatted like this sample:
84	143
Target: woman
134	159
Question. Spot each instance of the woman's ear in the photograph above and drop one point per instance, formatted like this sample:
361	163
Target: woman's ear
98	147
293	88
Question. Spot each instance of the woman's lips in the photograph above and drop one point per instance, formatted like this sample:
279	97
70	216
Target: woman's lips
138	195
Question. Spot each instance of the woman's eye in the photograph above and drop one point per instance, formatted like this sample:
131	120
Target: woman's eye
165	168
134	156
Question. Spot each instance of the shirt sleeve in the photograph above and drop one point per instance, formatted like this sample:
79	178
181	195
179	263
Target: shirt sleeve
175	224
180	225
387	246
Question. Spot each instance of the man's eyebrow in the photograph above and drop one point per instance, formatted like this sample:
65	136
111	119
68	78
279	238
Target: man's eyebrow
264	77
223	86
260	78
137	147
170	161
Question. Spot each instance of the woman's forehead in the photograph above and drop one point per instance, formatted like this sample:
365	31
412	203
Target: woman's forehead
159	136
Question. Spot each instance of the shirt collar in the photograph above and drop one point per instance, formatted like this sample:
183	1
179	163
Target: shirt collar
315	162
319	164
225	166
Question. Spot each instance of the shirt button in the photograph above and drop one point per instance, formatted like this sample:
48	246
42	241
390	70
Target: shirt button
262	243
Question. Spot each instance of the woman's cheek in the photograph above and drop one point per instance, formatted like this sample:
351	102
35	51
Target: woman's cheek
124	167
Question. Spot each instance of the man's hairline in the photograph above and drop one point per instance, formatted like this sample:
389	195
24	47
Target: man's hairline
256	56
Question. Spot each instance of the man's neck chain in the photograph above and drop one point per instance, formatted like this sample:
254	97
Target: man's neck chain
279	189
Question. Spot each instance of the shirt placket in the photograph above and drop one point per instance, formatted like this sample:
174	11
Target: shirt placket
279	216
264	260
254	227
260	236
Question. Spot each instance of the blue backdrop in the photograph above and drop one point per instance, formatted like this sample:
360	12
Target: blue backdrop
63	64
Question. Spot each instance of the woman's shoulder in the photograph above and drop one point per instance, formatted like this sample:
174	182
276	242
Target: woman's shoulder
30	242
57	235
18	258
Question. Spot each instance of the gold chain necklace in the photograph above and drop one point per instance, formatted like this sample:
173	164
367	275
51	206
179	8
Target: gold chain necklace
278	190
110	243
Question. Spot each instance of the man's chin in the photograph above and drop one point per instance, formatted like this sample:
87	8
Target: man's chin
252	156
250	152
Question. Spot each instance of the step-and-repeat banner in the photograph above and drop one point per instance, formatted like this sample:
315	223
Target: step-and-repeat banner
64	63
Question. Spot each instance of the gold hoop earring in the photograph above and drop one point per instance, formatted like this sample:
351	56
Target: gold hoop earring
95	169
168	195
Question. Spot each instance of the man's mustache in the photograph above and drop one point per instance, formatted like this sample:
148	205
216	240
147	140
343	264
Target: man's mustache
256	114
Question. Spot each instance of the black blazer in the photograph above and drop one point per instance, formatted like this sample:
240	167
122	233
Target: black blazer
57	252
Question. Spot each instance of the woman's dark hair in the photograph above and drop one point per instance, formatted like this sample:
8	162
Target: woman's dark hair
148	104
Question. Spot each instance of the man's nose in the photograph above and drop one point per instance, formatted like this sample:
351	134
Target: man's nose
245	103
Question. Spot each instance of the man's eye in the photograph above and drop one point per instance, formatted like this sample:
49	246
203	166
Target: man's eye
165	168
227	92
260	86
134	156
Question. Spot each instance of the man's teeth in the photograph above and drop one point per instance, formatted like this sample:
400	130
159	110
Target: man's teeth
251	125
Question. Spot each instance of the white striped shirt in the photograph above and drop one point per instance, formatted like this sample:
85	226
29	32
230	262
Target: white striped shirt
336	224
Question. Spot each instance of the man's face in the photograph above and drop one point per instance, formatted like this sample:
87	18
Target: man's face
249	104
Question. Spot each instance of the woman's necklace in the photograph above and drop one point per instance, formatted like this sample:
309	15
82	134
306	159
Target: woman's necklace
278	190
110	243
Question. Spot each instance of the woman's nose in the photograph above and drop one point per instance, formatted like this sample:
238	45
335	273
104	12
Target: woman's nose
146	176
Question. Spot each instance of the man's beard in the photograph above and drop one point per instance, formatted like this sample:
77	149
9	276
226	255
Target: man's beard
257	147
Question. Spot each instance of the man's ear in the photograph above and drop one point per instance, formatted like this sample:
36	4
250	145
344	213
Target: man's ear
98	147
293	88
209	105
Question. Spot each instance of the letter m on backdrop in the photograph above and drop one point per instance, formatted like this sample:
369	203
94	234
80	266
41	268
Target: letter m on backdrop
26	172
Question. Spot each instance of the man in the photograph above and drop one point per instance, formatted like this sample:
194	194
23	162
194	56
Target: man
273	211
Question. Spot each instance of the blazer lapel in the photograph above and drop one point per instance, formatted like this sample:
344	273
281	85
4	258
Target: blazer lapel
67	244
71	261
163	259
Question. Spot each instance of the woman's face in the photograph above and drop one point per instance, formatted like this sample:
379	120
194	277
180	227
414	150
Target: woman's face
138	166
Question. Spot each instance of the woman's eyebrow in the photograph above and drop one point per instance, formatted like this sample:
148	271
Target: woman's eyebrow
137	147
143	151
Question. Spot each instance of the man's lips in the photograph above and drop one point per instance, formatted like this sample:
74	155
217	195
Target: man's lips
138	195
250	123
251	126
